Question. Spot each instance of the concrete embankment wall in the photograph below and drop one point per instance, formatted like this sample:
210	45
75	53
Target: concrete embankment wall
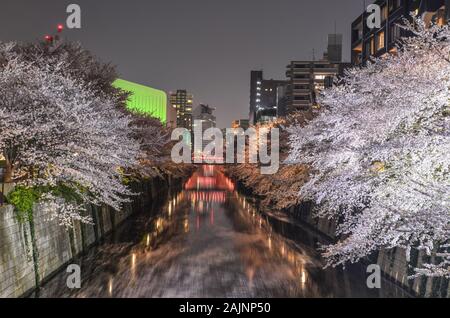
32	252
392	262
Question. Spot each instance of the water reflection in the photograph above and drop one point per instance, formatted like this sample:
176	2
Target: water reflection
210	241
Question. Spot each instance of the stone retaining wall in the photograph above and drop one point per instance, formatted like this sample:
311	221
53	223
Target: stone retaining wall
22	270
393	262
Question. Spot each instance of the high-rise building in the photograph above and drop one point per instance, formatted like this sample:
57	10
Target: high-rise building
308	78
203	115
182	101
282	100
263	98
171	115
334	50
144	99
256	78
367	42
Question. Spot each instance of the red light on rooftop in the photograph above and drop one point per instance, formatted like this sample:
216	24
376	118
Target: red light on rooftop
60	27
48	38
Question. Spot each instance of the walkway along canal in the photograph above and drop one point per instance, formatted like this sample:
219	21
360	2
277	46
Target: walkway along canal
210	241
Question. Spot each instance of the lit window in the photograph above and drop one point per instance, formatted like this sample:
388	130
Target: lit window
380	40
372	46
384	13
319	77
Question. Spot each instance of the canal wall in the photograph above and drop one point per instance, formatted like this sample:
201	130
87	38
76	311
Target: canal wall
32	252
393	262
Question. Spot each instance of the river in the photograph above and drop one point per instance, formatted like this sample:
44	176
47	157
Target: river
208	240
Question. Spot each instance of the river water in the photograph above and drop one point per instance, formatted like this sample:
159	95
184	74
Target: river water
210	241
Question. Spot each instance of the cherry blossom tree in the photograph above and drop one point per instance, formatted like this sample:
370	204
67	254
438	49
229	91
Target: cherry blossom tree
87	68
64	123
380	149
56	130
280	190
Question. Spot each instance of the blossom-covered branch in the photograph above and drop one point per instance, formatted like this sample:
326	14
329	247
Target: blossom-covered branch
380	151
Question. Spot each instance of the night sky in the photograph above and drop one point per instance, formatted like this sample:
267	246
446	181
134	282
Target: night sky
208	47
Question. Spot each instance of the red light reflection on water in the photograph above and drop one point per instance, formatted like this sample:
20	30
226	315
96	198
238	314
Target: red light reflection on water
209	178
207	196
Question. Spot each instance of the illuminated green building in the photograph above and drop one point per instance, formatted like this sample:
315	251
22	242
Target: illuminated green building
144	99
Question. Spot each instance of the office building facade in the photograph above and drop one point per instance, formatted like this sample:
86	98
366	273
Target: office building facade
182	102
204	115
282	100
144	100
256	78
306	80
367	42
263	98
334	49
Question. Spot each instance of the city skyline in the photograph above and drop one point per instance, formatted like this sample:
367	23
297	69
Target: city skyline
154	49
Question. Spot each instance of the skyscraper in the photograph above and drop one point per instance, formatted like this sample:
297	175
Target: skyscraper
256	78
263	98
334	51
203	115
182	101
282	100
